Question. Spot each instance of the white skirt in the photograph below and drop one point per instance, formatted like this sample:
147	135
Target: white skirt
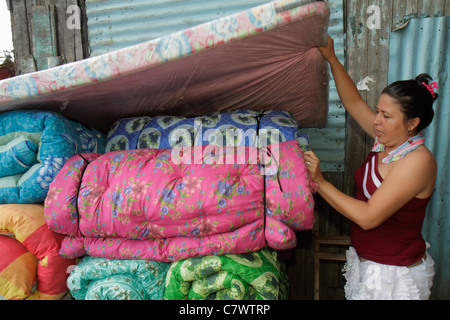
369	280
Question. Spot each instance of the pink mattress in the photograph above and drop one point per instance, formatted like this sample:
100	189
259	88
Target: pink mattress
264	58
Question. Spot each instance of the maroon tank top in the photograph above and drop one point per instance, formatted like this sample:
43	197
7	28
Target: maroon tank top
398	241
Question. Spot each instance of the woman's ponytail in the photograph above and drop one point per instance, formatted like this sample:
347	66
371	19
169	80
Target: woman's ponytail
416	98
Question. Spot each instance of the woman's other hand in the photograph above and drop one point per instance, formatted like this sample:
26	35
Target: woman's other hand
313	165
327	51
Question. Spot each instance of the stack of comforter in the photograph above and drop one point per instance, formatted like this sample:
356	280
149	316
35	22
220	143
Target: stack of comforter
249	276
34	146
191	193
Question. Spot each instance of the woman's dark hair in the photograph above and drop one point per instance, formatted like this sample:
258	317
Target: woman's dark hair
414	98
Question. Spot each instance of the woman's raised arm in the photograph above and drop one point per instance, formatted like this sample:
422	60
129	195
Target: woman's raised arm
348	93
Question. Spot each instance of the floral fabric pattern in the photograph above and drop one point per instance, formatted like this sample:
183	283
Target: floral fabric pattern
249	276
224	128
51	140
140	204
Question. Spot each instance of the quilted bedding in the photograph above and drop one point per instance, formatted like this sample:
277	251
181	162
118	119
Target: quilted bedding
140	204
250	276
113	279
34	146
224	128
30	264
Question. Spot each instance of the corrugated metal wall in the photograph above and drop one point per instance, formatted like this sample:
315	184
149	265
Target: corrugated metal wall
329	143
114	24
423	46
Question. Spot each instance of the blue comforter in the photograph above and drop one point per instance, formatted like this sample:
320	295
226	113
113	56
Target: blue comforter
243	127
34	145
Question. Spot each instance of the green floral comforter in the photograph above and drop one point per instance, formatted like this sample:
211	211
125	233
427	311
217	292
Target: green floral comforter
114	279
252	276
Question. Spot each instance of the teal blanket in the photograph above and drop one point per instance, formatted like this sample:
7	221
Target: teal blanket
114	279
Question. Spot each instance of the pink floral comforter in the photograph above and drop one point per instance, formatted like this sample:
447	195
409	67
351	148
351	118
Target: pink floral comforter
141	204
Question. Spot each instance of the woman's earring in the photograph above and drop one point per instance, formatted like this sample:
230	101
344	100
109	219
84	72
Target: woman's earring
410	137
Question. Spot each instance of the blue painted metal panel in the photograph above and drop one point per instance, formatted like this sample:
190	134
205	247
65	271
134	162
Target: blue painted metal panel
44	44
423	46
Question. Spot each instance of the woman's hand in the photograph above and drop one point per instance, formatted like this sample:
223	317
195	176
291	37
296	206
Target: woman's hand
313	165
327	51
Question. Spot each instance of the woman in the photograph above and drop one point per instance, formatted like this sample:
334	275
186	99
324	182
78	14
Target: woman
388	258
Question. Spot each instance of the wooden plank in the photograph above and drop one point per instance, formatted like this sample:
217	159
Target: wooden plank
316	279
330	256
337	241
403	10
65	43
40	31
329	224
431	8
81	36
367	56
23	56
300	268
446	8
43	23
378	57
378	53
69	35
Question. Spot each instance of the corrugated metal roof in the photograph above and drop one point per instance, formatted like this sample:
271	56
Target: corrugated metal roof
423	46
114	24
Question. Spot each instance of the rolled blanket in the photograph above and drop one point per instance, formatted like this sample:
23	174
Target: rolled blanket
114	279
142	204
249	276
18	269
31	258
223	128
34	145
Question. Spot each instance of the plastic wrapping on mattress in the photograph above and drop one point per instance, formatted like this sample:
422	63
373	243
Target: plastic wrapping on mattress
264	57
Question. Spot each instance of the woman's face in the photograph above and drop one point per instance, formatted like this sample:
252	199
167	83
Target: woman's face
389	125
